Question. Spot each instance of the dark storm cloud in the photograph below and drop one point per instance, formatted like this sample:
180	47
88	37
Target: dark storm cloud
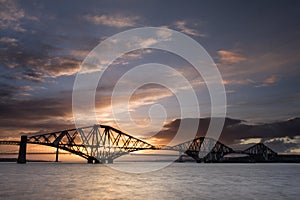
39	51
20	109
33	114
35	63
235	131
285	144
7	91
34	109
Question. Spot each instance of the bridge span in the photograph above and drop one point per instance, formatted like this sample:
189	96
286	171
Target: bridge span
103	144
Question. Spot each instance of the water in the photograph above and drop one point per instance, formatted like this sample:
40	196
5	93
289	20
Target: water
178	181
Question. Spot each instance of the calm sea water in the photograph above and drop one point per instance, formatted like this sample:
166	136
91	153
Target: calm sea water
177	181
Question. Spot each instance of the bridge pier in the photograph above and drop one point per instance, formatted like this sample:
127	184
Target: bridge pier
180	159
180	156
22	150
105	161
92	160
109	161
56	156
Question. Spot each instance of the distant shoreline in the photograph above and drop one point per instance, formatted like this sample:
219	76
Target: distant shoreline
15	160
295	159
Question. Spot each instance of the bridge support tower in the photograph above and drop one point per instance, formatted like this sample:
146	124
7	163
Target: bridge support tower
92	160
109	161
22	150
56	155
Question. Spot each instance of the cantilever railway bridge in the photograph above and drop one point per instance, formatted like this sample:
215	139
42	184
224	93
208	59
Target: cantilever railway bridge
103	144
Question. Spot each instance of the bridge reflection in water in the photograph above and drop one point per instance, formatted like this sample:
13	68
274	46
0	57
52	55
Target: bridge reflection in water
103	144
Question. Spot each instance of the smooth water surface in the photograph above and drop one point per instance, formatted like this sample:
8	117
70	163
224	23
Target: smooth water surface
177	181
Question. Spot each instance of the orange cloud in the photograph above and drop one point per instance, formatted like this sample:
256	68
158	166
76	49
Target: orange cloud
80	54
113	21
60	67
230	57
182	26
269	81
238	82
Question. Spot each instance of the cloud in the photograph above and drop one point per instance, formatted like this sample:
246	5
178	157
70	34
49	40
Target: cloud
250	141
275	61
182	26
148	95
162	35
238	81
284	144
23	62
35	109
260	64
8	40
239	134
117	21
9	92
78	54
58	66
25	115
28	114
268	81
11	15
32	75
137	54
36	65
279	144
138	103
148	42
271	80
90	66
230	57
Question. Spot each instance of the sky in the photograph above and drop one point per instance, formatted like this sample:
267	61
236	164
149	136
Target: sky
255	45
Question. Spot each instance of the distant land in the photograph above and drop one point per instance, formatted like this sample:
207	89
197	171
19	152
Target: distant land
249	159
15	160
281	136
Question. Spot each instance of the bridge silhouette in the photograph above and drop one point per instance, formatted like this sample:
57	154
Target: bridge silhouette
103	144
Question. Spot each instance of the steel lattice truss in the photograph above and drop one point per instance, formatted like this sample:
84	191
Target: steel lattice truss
106	143
98	142
262	150
203	148
68	140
